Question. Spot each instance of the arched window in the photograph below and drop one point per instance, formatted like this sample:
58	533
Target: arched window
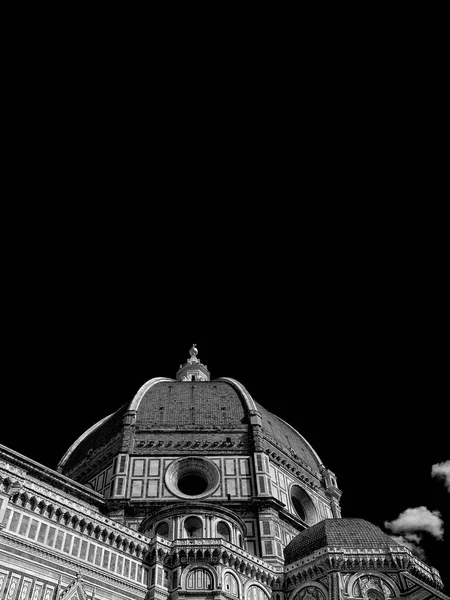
162	529
199	579
230	584
223	531
254	592
193	527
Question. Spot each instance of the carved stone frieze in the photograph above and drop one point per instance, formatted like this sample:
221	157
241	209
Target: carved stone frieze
301	471
288	460
9	468
77	519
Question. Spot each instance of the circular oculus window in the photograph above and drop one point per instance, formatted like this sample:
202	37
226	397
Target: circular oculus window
192	477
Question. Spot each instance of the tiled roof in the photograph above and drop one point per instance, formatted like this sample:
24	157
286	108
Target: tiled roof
188	405
339	533
191	403
98	438
285	436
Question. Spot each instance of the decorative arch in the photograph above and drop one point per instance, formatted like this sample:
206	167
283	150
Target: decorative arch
231	584
163	529
255	591
373	580
310	591
193	526
199	573
223	531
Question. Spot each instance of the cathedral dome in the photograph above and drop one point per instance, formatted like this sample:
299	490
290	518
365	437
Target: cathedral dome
337	533
163	405
168	408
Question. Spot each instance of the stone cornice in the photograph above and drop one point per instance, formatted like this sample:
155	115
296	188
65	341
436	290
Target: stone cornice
216	550
397	558
97	460
28	467
72	514
293	463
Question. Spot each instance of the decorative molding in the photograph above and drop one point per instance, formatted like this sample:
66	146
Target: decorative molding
73	565
77	442
190	445
292	463
134	405
107	536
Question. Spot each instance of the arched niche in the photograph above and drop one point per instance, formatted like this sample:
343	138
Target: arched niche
231	584
223	531
193	527
162	529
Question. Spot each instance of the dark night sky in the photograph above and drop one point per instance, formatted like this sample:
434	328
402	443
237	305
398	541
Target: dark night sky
281	211
294	234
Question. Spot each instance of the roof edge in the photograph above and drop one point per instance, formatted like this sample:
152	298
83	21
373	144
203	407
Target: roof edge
57	479
306	441
134	405
250	403
83	436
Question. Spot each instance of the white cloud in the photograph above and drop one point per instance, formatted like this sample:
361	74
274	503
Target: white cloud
442	470
413	537
418	519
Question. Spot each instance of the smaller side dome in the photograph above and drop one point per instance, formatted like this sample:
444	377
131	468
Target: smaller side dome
338	533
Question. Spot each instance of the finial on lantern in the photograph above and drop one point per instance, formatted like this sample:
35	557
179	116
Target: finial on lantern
193	370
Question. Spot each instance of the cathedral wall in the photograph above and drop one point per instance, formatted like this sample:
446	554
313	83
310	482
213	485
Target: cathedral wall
48	535
140	477
16	582
102	482
252	539
281	483
33	535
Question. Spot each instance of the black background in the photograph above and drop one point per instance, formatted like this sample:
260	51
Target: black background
279	202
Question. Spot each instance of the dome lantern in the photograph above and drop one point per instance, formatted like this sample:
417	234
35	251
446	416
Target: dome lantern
193	369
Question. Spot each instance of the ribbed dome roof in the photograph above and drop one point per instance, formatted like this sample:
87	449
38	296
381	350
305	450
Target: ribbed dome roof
97	436
194	403
287	437
168	404
339	533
